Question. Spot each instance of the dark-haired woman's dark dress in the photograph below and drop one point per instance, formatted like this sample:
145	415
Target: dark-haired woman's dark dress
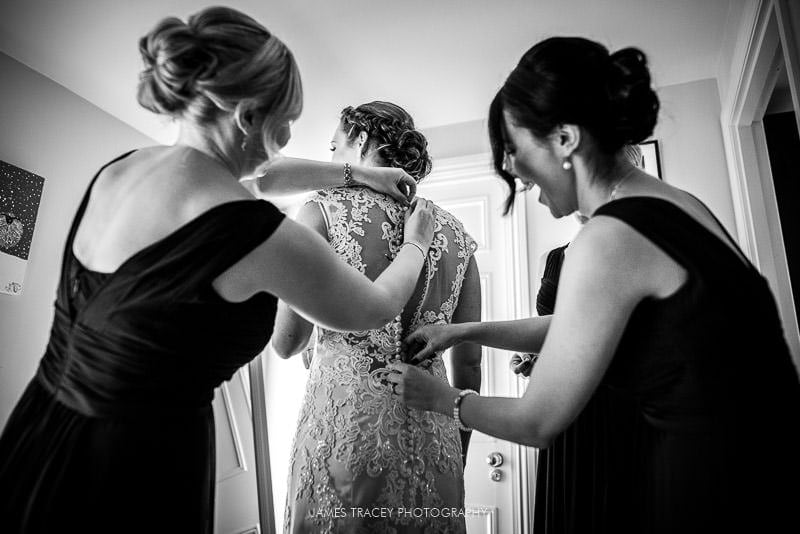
696	425
115	433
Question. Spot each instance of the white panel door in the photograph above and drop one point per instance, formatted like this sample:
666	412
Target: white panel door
496	497
236	494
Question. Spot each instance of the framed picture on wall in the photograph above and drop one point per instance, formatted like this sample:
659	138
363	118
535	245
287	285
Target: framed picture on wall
20	194
651	159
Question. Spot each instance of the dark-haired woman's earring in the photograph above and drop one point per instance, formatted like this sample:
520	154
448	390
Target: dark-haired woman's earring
244	144
567	165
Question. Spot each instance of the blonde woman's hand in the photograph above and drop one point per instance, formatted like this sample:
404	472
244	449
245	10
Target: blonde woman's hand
419	223
392	181
425	342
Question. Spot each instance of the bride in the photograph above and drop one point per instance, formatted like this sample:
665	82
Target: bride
361	461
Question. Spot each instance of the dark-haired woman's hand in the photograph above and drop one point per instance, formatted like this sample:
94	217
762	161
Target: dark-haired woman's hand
522	364
420	389
425	342
392	181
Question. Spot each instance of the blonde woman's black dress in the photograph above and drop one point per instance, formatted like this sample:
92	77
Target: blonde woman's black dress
115	432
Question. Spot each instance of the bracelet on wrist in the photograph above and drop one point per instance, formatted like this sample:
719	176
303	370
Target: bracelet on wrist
348	175
419	247
457	408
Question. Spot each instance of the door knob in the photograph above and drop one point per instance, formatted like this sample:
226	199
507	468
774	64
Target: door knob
496	475
494	459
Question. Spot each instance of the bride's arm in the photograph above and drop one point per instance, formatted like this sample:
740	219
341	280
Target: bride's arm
289	176
465	358
291	333
298	266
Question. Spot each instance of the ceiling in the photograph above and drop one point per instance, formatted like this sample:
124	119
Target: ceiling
442	60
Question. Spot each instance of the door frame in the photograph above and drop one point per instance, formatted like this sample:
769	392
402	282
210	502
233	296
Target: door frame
772	35
479	167
258	394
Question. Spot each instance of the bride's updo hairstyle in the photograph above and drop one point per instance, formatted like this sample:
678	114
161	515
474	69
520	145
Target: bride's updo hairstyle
220	61
391	132
571	80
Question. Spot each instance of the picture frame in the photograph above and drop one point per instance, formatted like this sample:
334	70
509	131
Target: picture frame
20	195
651	158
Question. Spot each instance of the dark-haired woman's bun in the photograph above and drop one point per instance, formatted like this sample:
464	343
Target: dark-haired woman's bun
410	153
574	80
633	105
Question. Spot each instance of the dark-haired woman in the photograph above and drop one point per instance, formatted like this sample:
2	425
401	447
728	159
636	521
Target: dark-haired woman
357	448
169	283
660	320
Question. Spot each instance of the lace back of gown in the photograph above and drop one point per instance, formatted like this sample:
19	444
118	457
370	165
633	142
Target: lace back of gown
357	447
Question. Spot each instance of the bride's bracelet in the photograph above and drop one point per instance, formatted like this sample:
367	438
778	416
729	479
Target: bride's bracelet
348	175
416	245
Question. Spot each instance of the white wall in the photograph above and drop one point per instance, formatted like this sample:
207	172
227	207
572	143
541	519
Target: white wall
51	132
459	139
692	150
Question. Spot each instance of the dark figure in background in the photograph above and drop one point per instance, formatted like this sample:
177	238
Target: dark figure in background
169	283
660	321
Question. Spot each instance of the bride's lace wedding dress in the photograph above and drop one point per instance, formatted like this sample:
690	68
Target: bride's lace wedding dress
361	461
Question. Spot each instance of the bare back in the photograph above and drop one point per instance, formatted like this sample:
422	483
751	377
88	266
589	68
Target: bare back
145	197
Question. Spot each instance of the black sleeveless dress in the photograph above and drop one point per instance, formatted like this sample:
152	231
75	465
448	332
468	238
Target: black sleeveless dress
546	297
115	433
694	427
569	471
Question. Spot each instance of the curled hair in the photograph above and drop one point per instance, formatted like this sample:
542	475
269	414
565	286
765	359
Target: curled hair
220	60
391	132
571	80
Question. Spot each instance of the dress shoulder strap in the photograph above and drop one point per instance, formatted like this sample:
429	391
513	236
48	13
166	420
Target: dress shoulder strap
673	230
76	220
198	252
